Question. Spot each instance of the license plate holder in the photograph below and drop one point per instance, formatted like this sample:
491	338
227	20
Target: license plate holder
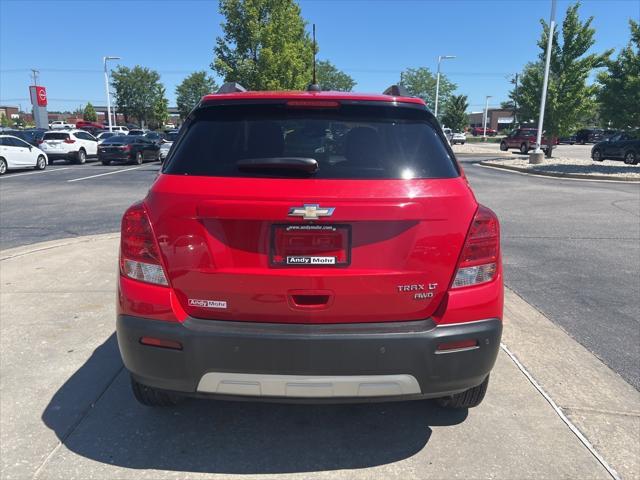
310	245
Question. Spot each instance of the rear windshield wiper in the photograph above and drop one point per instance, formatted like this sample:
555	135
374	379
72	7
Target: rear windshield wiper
297	164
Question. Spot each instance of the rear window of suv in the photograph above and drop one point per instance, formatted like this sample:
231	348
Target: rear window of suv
350	142
55	136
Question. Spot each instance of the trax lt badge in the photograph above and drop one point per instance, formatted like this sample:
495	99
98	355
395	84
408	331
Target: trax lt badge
422	292
311	211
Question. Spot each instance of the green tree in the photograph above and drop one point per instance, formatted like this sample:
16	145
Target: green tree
421	82
89	113
264	46
330	78
4	121
455	112
192	89
569	98
139	93
507	105
619	94
160	112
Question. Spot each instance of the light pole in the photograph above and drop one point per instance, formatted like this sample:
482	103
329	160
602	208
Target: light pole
106	87
536	156
486	115
440	58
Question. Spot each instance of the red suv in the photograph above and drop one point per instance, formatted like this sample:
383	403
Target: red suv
524	139
310	245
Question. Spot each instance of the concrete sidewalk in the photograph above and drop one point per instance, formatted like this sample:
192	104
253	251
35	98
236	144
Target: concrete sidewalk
66	410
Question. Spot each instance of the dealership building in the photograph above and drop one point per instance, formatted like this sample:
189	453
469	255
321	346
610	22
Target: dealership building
497	118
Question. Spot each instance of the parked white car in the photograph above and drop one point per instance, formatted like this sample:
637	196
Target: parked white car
60	124
118	128
102	136
75	145
16	153
166	144
458	137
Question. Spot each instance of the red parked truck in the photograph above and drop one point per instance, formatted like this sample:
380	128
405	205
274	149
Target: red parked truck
315	246
524	139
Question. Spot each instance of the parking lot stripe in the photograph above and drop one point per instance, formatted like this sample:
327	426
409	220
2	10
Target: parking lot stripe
103	174
5	177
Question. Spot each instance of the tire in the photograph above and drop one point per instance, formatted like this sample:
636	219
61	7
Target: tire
139	159
3	166
630	158
467	399
461	143
151	397
105	162
503	146
524	148
41	163
81	156
597	155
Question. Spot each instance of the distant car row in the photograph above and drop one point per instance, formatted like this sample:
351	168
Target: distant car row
37	149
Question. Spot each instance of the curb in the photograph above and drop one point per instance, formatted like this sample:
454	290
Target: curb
491	155
48	245
581	176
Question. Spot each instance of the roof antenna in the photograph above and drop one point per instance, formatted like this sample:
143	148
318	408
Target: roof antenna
313	86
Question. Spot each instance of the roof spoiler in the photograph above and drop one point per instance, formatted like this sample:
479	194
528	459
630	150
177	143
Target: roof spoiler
231	87
396	91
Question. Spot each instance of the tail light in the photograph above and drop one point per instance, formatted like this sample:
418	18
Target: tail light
69	140
40	141
480	255
139	254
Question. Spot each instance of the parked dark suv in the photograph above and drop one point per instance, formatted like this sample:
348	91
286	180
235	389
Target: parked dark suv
129	149
623	146
589	135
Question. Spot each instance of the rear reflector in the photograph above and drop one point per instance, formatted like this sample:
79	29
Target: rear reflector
457	345
159	342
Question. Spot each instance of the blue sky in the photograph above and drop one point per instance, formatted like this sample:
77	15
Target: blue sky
372	40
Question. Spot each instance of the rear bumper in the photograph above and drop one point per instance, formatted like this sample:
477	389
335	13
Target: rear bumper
60	155
284	362
115	157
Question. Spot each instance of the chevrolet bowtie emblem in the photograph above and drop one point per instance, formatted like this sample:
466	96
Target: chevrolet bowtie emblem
310	212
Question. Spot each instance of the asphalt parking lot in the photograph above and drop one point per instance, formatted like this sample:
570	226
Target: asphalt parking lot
581	152
68	200
571	249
